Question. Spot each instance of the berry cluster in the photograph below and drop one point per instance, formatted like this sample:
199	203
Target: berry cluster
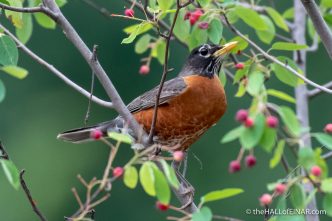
194	16
242	116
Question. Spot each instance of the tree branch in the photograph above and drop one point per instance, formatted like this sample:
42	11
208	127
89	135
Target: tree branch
55	71
105	81
273	59
320	25
313	93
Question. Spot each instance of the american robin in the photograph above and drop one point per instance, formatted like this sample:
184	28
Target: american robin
189	104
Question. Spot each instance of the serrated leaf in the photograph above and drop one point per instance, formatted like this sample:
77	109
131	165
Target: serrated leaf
287	46
251	136
327	204
284	75
130	177
255	83
147	178
44	21
8	51
123	138
232	135
277	18
170	174
11	172
24	33
268	139
142	44
204	214
324	139
215	31
220	194
15	71
2	91
297	196
281	95
290	120
250	17
162	188
267	36
277	154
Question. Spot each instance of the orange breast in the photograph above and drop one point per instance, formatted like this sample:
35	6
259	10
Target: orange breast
186	117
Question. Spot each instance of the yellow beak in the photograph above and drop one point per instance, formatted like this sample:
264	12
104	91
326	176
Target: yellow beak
226	48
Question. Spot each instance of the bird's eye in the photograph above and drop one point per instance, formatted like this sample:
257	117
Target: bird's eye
204	51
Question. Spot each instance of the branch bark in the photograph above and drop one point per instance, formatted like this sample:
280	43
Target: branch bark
313	93
320	25
302	107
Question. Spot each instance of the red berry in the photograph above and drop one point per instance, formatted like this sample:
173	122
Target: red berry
203	25
161	206
144	69
129	12
280	188
187	15
272	122
234	166
96	134
241	115
178	155
249	122
265	199
192	20
117	171
197	14
328	128
316	171
250	161
239	66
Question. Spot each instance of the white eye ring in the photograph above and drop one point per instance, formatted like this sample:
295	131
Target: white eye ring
204	51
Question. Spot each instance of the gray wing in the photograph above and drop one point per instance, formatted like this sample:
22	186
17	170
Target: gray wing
171	89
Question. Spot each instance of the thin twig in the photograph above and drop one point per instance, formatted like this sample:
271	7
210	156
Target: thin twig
31	201
314	92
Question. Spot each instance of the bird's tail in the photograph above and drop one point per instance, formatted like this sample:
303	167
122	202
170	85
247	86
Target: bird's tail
83	134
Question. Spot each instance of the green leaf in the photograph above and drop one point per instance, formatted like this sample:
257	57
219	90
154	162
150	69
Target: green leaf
255	83
44	21
160	51
324	139
251	136
15	17
130	177
215	31
284	75
147	178
287	46
250	17
165	4
241	44
197	37
277	154
204	214
327	185
2	91
182	27
241	90
277	18
136	30
326	3
290	120
24	33
143	44
15	71
11	172
267	36
220	194
327	204
123	138
203	3
306	158
297	196
8	51
170	174
281	95
163	191
268	139
222	77
232	135
289	13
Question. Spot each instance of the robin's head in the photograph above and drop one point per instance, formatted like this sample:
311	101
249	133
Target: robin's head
206	59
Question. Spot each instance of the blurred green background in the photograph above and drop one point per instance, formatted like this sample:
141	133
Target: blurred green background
38	108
